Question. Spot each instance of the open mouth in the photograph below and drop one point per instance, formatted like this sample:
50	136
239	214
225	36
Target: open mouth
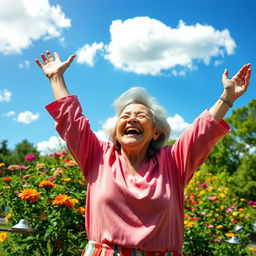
132	131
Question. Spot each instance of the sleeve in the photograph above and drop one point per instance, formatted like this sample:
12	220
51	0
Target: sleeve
74	128
195	144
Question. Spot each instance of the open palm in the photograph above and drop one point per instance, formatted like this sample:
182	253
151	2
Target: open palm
53	65
238	84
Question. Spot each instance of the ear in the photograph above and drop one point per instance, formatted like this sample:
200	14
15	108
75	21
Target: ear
156	135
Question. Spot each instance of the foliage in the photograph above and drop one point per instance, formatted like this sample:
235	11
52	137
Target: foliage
51	196
16	156
211	215
235	153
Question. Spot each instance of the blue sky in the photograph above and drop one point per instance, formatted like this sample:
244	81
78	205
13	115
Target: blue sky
176	49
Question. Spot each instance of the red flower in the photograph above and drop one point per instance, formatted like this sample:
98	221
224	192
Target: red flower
6	179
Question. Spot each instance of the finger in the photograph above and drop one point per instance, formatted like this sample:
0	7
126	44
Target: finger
50	58
39	63
44	58
242	72
225	75
71	58
57	57
247	77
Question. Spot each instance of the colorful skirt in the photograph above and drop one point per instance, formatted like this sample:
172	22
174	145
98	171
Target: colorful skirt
98	249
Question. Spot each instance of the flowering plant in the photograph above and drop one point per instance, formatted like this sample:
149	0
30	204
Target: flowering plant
212	214
51	196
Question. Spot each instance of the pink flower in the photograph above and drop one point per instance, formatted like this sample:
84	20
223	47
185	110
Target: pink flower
203	213
30	157
51	178
204	185
213	198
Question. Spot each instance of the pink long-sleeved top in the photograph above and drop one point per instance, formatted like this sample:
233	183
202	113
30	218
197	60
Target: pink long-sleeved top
142	211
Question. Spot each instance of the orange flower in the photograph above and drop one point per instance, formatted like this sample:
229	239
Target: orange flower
81	209
47	184
6	179
3	236
29	194
63	199
7	217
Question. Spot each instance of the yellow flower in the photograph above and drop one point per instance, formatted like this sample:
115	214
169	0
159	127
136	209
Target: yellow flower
242	199
235	214
222	195
7	217
185	222
66	179
219	227
3	236
210	189
43	216
2	165
29	194
40	166
202	192
190	224
229	234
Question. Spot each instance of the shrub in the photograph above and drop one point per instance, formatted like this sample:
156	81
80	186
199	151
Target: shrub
211	215
51	196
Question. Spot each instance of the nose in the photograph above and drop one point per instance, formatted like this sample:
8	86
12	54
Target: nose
132	118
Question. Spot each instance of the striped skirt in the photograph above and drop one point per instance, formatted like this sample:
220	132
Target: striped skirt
98	249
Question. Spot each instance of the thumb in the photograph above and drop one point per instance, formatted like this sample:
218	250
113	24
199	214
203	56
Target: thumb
225	75
71	58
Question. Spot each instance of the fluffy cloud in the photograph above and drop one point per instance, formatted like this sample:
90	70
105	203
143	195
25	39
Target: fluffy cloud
178	126
147	46
54	144
86	54
22	21
25	64
9	114
27	117
5	95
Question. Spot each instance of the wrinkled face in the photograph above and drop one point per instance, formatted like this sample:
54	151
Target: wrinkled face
135	128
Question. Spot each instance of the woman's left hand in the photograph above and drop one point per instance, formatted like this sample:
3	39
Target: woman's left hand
238	84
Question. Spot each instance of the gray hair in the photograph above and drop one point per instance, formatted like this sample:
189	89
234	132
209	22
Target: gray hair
139	95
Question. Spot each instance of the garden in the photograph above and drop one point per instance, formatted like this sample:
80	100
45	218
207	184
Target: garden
51	196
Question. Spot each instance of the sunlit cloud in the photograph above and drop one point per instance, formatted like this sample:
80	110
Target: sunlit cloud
87	54
54	144
147	46
25	64
5	95
23	21
27	117
178	125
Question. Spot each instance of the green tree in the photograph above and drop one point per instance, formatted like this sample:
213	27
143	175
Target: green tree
236	152
24	148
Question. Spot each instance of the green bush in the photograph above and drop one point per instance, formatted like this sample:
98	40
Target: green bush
212	214
51	196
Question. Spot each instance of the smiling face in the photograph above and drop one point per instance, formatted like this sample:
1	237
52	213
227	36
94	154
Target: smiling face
135	128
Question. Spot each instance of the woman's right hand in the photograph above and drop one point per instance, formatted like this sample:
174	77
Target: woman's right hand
53	65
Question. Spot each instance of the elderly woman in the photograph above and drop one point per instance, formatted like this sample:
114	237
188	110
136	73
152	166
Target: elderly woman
136	183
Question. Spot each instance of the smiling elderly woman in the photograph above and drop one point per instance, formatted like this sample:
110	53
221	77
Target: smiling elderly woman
134	201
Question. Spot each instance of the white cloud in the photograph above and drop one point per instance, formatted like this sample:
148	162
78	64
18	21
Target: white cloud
9	114
52	145
22	21
178	125
147	46
86	54
101	135
27	117
5	95
25	64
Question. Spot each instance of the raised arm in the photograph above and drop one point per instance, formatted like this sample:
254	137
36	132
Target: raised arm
233	89
54	69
